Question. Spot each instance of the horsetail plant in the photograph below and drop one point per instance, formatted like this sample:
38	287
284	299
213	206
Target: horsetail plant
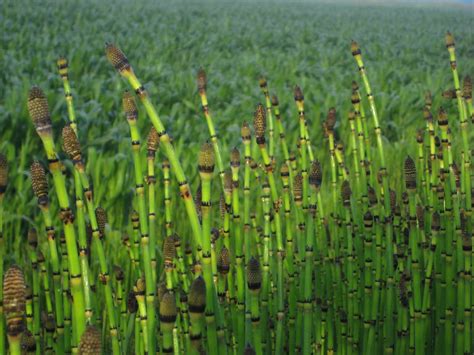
40	188
120	62
39	113
131	113
3	187
287	264
206	169
97	220
202	87
14	302
91	341
260	123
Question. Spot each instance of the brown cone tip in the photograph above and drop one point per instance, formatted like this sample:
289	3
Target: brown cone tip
355	86
260	121
262	82
132	304
116	57
91	341
201	80
169	249
223	261
168	310
206	158
427	114
228	181
331	119
119	273
235	157
197	295
449	39
467	88
28	342
253	164
215	234
355	49
449	94
316	173
298	187
254	274
38	180
39	109
410	173
153	140
102	220
62	63
420	135
14	300
32	237
275	101
3	173
298	94
355	98
71	144
245	131
129	106
346	192
428	99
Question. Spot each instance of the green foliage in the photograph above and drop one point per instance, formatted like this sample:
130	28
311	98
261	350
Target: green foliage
307	44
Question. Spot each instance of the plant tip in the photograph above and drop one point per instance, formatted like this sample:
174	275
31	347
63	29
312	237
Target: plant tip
91	341
201	80
71	145
117	58
298	93
129	106
206	158
260	123
39	110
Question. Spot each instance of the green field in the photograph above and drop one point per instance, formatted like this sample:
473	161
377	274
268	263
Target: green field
289	43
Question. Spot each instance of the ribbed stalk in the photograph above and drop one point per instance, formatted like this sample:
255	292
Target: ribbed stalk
206	168
202	86
260	120
132	114
120	62
290	262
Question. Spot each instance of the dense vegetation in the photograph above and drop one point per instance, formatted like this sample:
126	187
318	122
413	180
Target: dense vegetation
372	279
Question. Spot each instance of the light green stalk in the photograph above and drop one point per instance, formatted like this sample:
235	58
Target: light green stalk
132	114
202	86
120	62
206	169
39	112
